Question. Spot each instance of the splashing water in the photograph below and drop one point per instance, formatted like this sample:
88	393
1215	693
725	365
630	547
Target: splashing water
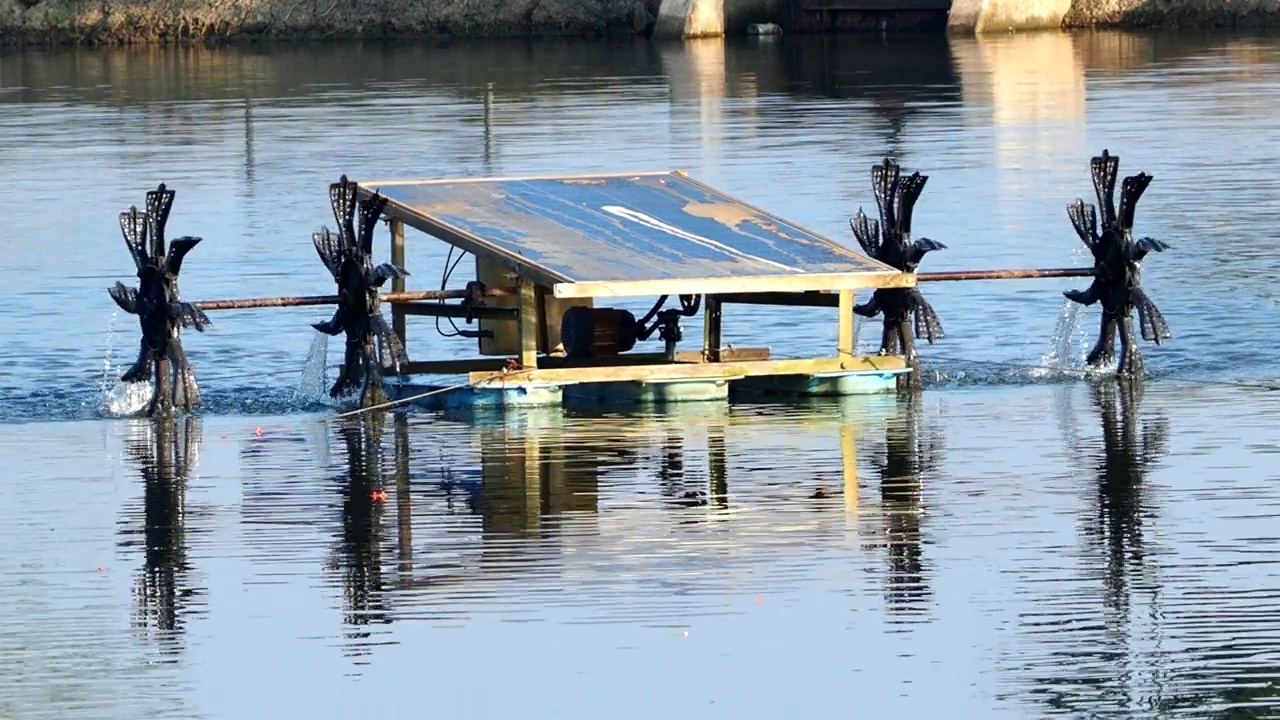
107	355
859	343
313	383
125	399
118	398
1062	355
1067	352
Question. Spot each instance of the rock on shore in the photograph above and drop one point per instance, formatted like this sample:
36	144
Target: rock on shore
1173	13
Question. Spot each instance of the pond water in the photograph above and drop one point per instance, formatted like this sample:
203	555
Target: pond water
1017	541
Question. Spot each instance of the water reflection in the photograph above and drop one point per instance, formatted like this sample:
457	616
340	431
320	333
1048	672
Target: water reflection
826	65
683	489
533	472
517	497
357	552
899	78
1112	657
164	451
1130	447
910	451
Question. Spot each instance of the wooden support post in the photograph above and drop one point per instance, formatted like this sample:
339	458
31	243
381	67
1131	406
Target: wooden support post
397	284
544	335
528	324
844	336
712	320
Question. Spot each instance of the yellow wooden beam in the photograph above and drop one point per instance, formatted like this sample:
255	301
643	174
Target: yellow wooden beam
844	332
858	280
370	186
528	323
694	371
397	284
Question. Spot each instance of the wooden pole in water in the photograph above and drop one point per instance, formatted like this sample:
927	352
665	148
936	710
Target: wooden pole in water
308	300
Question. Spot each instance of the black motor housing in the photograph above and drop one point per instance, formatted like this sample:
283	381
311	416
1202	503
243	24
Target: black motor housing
597	332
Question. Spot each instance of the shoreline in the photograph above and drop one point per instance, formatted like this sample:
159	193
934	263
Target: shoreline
214	23
52	23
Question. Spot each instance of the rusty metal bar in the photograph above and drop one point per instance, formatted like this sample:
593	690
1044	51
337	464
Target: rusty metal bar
753	298
829	299
1003	274
309	300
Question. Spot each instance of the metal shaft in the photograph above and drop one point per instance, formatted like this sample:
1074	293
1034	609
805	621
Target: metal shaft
400	297
307	300
1003	274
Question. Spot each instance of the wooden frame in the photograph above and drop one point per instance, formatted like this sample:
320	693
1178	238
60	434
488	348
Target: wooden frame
528	317
712	362
397	284
845	329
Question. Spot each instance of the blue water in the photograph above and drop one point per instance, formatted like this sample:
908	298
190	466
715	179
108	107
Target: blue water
1017	542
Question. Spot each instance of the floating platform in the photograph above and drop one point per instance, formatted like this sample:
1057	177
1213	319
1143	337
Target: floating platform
562	243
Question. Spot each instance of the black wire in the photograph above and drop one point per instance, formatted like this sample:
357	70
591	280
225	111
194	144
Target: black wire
652	311
444	282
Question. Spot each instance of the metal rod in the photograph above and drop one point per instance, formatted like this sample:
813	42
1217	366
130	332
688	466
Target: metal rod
1003	274
417	295
306	300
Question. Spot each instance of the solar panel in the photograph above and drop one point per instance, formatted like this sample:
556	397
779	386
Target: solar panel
633	234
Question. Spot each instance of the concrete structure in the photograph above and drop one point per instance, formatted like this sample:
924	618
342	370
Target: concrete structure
714	18
690	19
982	16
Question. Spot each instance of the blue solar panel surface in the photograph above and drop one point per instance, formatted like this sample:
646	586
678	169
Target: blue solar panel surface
626	228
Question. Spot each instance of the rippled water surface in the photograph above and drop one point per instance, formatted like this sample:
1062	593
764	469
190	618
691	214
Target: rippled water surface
1015	542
